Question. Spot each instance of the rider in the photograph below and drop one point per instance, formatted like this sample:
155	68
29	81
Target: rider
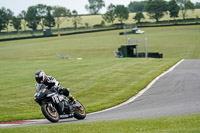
51	83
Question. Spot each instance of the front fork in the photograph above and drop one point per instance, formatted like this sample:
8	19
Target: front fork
51	107
58	106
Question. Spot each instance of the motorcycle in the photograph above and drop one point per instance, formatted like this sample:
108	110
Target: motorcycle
55	106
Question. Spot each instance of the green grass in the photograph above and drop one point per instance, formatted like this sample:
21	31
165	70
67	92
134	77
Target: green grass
99	80
175	124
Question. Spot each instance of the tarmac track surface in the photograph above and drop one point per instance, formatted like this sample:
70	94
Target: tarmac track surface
176	92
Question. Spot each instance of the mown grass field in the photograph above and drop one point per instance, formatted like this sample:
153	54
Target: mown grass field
99	80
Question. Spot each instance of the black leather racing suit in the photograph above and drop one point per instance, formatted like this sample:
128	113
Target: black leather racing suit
51	84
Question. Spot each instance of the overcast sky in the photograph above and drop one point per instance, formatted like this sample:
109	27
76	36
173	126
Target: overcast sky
79	5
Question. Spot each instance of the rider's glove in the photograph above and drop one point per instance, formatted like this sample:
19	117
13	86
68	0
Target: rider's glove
64	91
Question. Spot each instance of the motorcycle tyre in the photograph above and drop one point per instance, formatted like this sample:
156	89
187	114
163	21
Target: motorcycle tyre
47	115
79	116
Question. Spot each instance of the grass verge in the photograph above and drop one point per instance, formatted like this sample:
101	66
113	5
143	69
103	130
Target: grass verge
173	124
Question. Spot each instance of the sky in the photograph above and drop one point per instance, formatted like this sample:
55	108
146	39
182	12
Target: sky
79	5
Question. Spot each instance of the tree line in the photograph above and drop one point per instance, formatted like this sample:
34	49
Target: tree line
155	9
49	16
40	14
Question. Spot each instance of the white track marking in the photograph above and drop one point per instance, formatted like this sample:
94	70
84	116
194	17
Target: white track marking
142	91
7	125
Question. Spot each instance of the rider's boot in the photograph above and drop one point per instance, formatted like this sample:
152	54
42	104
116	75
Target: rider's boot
72	100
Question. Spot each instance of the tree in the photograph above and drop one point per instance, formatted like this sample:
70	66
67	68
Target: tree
8	17
102	23
197	5
121	13
138	16
173	9
75	18
95	6
137	6
22	15
185	5
60	14
49	20
16	23
156	9
32	17
2	19
109	16
42	12
87	25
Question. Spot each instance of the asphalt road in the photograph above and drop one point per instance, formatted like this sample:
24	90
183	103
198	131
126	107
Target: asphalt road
175	93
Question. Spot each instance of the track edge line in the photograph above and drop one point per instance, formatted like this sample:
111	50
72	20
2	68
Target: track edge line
142	91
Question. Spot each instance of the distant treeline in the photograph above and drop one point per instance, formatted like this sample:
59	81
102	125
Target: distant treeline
54	16
139	6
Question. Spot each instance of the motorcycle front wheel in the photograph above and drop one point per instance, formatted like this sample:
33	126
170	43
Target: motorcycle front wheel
50	112
79	111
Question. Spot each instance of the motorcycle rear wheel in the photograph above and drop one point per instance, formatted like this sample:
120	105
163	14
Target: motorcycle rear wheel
79	111
50	113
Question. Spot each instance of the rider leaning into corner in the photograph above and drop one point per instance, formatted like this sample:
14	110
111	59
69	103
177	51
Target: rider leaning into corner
50	83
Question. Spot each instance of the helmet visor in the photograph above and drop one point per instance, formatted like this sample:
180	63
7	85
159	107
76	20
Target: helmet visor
38	79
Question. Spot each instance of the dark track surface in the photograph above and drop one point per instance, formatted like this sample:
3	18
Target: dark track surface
175	93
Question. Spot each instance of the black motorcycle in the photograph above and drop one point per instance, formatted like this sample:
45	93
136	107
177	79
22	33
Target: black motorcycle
55	106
